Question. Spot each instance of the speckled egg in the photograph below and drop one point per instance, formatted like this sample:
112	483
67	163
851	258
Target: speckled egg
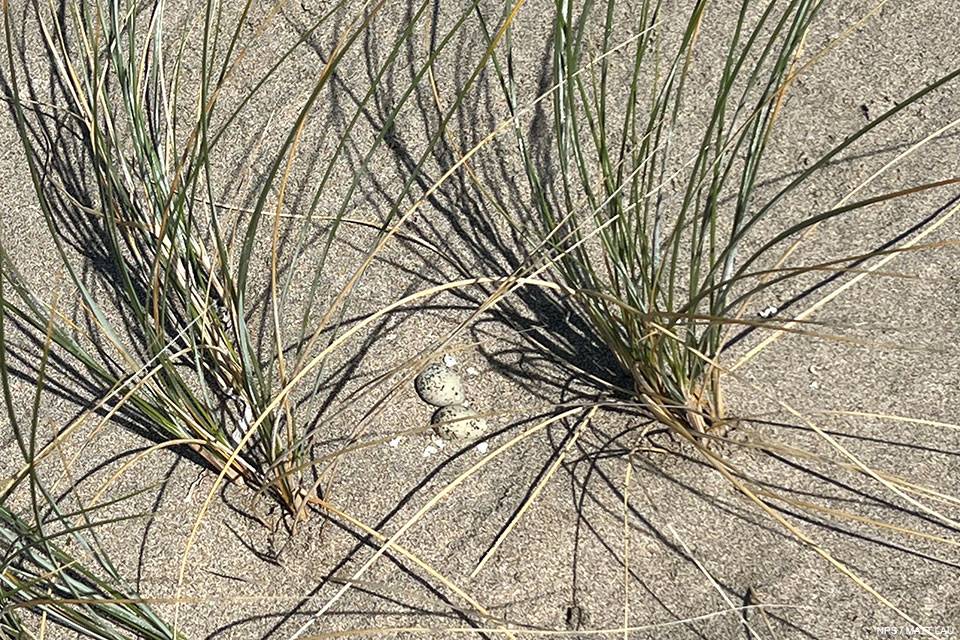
439	385
466	427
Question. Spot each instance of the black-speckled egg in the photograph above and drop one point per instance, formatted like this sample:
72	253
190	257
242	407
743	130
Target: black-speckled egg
439	386
456	422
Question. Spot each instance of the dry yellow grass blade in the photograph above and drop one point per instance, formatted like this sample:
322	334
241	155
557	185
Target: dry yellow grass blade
132	461
889	416
328	508
713	582
369	224
873	268
851	516
536	491
538	632
761	442
427	507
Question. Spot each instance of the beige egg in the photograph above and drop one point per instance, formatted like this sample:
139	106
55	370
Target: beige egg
439	385
456	422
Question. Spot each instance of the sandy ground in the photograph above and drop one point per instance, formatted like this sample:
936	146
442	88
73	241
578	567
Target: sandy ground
673	550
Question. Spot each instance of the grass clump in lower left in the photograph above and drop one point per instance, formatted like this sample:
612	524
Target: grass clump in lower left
53	569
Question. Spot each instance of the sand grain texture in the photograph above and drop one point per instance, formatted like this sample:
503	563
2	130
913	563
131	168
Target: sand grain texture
563	566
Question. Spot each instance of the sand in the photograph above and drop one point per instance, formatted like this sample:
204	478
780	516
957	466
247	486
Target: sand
673	550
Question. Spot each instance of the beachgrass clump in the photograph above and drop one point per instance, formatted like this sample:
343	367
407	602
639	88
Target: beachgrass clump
654	204
208	323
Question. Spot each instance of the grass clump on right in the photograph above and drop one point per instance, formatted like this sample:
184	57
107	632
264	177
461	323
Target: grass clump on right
652	201
663	246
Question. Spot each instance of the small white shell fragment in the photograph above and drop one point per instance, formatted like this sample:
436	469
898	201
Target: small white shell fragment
456	422
449	360
815	384
429	451
769	312
240	430
473	371
483	446
395	442
439	385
